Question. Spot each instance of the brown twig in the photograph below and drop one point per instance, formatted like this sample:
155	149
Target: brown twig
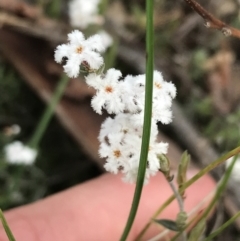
21	8
43	27
213	22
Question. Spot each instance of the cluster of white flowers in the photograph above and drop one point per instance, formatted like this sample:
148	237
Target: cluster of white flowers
17	153
82	13
121	135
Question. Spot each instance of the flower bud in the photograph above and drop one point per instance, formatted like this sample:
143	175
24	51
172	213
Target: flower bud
181	220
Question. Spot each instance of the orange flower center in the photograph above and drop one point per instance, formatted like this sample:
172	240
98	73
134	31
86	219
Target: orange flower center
79	49
117	153
109	89
158	85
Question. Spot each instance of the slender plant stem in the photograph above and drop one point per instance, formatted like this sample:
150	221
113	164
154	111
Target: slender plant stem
202	172
221	187
221	228
181	205
45	119
147	119
178	196
103	7
6	227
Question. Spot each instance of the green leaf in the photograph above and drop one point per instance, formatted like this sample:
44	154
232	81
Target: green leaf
182	169
197	231
100	70
167	223
6	227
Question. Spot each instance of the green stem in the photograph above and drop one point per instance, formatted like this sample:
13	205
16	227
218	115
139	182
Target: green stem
204	171
6	227
180	204
147	120
45	119
221	187
103	6
221	228
177	196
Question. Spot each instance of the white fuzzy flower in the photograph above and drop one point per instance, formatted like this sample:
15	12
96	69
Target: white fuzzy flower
161	113
114	151
121	145
121	136
162	87
127	124
155	149
18	153
80	50
118	154
82	13
109	91
121	123
106	38
134	94
153	164
163	93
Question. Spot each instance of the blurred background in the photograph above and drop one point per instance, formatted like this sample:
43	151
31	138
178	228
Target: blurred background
201	62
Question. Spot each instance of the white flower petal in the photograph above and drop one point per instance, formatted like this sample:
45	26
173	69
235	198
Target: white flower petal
78	50
96	43
76	37
60	52
18	153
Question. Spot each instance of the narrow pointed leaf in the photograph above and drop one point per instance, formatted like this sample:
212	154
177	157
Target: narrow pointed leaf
182	168
167	223
197	231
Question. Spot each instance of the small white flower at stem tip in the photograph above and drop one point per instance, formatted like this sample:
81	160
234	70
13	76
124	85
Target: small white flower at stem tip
109	91
80	50
17	153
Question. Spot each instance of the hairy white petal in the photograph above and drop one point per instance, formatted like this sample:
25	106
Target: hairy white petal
78	50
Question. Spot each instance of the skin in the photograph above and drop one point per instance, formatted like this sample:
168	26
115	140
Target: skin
98	210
